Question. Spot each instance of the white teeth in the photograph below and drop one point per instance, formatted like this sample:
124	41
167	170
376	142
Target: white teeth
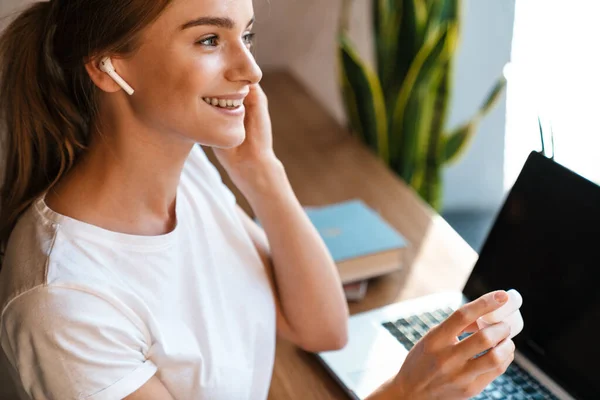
222	102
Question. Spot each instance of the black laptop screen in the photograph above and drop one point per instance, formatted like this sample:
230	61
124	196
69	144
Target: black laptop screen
546	244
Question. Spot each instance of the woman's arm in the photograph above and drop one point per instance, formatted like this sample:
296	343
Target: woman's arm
151	390
312	309
309	290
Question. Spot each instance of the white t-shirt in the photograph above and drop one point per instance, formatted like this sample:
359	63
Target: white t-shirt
88	313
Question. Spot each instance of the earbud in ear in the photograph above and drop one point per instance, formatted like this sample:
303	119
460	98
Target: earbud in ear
106	66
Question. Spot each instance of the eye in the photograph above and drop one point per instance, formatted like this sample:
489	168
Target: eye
249	39
209	41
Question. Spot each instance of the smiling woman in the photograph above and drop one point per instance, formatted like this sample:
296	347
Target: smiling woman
128	270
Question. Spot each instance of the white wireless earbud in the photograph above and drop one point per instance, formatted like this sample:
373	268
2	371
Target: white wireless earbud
106	66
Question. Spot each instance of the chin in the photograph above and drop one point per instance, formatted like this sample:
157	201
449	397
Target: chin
232	139
238	138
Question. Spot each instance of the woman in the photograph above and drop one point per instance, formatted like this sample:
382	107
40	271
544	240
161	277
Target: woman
128	269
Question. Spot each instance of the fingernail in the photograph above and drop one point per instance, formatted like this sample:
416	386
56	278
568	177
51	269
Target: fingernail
501	297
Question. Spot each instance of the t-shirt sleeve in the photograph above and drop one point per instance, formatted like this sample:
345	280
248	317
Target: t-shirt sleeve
67	343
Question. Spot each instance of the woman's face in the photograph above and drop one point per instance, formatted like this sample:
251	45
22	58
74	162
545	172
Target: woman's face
197	52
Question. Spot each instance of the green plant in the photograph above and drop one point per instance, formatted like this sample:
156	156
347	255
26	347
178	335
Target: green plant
400	109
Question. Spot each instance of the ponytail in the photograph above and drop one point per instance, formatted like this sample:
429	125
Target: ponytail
41	129
48	102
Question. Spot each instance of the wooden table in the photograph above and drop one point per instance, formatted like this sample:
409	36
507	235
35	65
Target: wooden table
326	164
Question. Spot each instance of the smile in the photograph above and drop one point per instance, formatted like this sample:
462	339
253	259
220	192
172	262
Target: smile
222	103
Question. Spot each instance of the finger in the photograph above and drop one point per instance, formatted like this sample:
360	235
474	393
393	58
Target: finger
494	361
474	327
488	377
256	96
474	385
469	313
483	340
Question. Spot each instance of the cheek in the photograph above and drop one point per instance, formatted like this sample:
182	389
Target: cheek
201	76
171	95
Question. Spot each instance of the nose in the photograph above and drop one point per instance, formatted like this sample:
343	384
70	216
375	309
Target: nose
243	66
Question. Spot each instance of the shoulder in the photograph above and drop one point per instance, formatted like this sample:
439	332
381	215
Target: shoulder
65	308
40	254
65	342
28	250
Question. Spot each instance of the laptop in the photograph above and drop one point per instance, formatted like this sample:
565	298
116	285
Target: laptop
545	242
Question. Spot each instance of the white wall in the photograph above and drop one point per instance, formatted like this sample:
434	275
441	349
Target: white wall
477	180
10	6
301	35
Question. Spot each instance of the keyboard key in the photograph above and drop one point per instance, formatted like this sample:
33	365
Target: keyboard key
402	323
420	330
519	381
489	388
496	395
447	311
529	389
431	318
423	325
499	381
413	320
389	325
508	388
518	396
439	315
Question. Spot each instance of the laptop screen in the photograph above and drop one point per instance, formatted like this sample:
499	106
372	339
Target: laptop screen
545	243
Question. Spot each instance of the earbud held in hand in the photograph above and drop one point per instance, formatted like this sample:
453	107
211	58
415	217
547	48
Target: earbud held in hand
106	66
508	313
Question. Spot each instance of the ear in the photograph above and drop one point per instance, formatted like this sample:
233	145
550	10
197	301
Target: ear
101	78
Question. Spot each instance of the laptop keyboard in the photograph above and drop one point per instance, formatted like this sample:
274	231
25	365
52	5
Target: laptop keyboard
514	384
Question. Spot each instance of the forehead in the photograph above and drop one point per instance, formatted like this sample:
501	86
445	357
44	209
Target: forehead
181	12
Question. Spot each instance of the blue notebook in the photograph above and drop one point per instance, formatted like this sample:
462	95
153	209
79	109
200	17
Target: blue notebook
360	241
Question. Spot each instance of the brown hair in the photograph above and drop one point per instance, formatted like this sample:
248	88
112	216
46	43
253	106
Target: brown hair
47	99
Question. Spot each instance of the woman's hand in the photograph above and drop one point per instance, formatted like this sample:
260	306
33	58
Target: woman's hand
258	144
249	164
442	367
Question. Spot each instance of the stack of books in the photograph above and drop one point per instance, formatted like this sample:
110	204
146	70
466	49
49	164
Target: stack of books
362	244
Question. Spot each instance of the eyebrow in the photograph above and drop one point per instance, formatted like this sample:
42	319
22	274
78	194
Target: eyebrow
221	22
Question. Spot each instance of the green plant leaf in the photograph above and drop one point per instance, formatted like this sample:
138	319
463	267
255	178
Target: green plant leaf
420	13
411	37
442	12
364	98
456	143
432	163
350	104
493	97
403	125
422	133
387	20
